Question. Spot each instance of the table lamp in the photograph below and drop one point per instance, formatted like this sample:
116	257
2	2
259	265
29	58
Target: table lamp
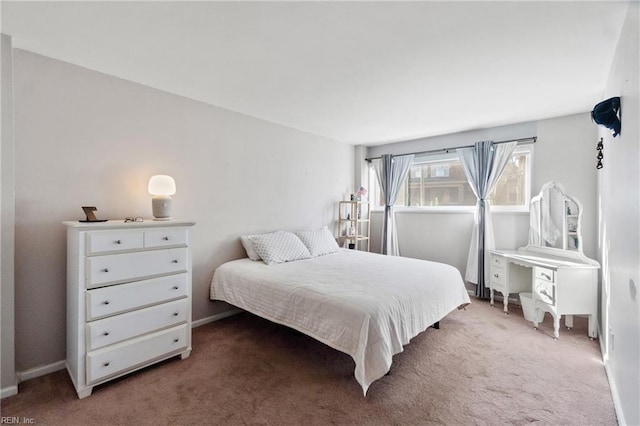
162	187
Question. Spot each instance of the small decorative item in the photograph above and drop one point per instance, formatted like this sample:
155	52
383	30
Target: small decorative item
353	197
600	155
361	192
607	114
162	187
91	217
131	219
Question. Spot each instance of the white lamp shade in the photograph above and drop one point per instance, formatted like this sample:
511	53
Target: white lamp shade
162	185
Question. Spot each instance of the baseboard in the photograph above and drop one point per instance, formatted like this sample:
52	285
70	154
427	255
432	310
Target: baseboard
216	317
32	373
612	385
8	391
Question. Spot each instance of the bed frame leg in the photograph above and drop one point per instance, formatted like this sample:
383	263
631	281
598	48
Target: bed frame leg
436	325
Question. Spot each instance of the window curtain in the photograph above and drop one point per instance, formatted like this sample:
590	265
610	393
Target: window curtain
483	164
391	172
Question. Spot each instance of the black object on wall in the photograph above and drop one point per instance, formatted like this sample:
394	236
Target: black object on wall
607	114
599	156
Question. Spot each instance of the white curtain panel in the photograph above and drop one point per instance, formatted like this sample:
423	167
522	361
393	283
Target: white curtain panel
483	164
391	171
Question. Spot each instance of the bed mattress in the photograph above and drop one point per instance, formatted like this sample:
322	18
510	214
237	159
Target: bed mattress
364	304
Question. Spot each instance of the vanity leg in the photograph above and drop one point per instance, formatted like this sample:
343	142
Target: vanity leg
506	304
556	327
568	321
491	296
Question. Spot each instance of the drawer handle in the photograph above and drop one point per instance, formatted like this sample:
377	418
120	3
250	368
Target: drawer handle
165	238
174	261
106	364
546	276
496	275
105	270
118	241
176	340
175	314
175	287
106	302
546	294
106	333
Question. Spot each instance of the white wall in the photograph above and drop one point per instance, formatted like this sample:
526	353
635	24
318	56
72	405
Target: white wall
564	152
619	248
8	385
85	138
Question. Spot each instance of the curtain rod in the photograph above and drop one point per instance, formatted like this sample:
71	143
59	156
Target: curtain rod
522	141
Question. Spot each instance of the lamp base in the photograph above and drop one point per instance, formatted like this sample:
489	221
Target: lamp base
161	206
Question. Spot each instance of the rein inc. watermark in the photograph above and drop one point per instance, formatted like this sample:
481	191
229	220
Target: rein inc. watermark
16	420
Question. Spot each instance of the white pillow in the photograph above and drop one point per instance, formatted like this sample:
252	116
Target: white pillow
319	241
248	247
279	247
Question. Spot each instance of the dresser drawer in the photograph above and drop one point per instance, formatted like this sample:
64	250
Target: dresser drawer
169	237
113	241
544	274
118	358
118	268
545	291
106	301
115	329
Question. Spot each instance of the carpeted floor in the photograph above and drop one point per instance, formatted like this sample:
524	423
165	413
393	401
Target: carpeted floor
481	368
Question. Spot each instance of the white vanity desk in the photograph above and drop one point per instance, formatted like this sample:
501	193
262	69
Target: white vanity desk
563	281
561	284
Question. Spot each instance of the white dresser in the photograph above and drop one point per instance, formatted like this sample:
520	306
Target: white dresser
128	297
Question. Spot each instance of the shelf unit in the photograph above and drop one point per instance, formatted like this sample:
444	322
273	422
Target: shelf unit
354	224
571	226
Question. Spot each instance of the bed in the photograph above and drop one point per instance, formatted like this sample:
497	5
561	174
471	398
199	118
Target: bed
363	304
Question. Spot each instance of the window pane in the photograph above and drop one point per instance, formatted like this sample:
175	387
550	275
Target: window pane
510	189
443	183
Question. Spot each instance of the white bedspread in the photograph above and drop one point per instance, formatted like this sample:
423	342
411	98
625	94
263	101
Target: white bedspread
364	304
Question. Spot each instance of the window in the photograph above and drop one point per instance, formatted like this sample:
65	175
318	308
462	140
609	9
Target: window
439	181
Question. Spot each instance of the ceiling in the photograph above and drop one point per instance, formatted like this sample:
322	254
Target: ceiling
356	72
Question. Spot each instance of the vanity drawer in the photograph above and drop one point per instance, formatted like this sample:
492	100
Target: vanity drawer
106	301
545	291
544	274
497	261
170	237
115	329
128	355
113	241
117	268
498	278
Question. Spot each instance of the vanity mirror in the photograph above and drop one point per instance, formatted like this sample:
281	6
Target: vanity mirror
555	219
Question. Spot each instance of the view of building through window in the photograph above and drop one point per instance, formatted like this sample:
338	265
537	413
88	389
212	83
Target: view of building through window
443	183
